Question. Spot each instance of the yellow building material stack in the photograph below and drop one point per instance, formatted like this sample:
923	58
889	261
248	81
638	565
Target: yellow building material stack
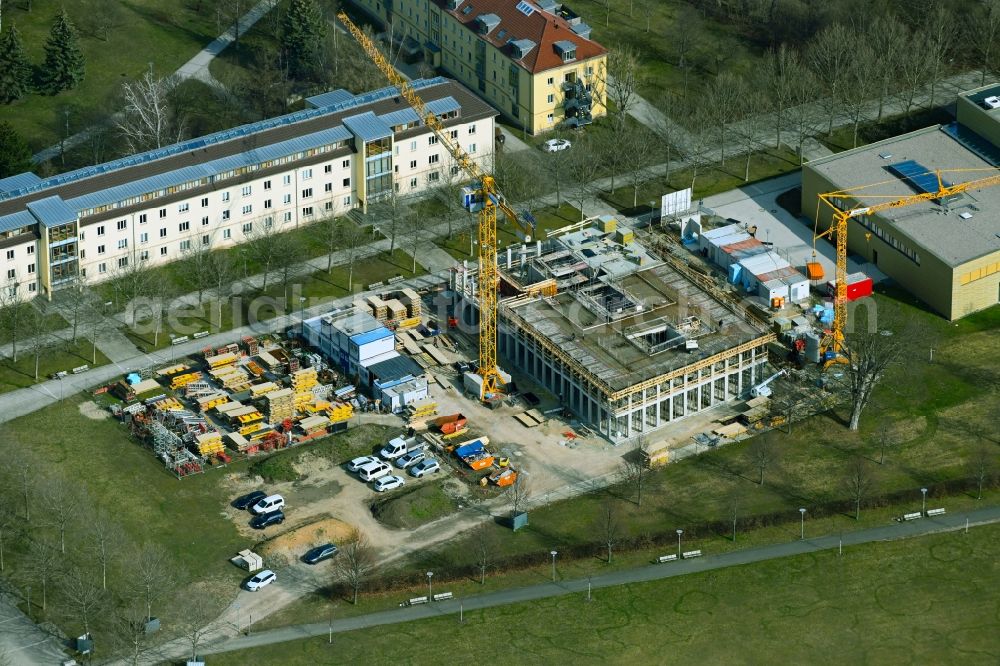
251	428
221	361
180	381
280	405
207	402
317	406
227	407
423	408
340	411
209	444
410	322
169	405
313	424
172	370
304	380
257	390
231	377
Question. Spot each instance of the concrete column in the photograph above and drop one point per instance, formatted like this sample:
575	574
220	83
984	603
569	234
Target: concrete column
658	421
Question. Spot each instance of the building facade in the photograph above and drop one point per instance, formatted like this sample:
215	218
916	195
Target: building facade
219	190
946	252
531	59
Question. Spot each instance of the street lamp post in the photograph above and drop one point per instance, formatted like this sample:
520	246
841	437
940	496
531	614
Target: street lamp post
802	523
679	533
302	317
554	553
430	591
923	508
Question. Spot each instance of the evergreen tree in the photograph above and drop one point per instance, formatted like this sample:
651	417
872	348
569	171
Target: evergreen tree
15	157
304	30
15	72
63	68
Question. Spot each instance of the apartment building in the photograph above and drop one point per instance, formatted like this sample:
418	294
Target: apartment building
532	59
342	152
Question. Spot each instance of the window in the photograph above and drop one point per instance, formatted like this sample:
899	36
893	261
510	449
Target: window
144	255
346	164
204	239
143	238
204	221
328	187
550	81
31	248
31	269
590	69
454	134
347	200
267	204
32	287
183	208
142	218
122	262
472	128
433	159
246	190
225	215
454	171
227	234
247	209
287	199
413	183
102	268
122	224
204	202
163	232
327	168
550	118
184	226
163	213
287	217
268	221
267	184
433	176
347	182
306	193
307	174
225	196
100	249
248	227
550	99
10	254
100	230
328	205
163	251
11	273
286	180
123	243
413	164
472	147
307	211
185	245
413	146
432	140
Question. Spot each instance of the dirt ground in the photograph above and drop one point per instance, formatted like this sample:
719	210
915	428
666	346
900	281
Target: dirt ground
93	411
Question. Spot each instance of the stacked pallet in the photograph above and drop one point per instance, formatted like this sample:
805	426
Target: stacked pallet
207	402
226	408
340	411
361	305
172	370
396	310
238	442
314	424
280	405
304	380
231	348
257	390
423	408
378	307
269	361
209	444
231	377
255	369
168	405
221	360
412	302
180	381
251	345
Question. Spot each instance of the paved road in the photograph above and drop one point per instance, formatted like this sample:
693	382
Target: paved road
195	68
22	642
947	523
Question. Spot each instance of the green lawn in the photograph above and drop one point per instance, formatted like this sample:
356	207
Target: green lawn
57	359
164	32
908	601
411	507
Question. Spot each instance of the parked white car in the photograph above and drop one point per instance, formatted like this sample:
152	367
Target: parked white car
386	483
269	504
555	145
261	579
373	470
358	463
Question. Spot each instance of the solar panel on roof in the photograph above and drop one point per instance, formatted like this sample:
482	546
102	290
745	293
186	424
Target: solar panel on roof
917	175
525	8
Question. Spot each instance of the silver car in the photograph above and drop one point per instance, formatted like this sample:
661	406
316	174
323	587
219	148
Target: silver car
425	466
411	458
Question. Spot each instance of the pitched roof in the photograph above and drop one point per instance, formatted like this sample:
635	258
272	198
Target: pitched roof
541	27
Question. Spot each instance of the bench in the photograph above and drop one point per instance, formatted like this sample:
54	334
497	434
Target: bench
912	516
79	369
418	600
200	334
935	512
666	558
59	375
181	339
692	553
443	596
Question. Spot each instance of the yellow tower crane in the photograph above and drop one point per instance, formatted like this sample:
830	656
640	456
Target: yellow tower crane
489	272
840	203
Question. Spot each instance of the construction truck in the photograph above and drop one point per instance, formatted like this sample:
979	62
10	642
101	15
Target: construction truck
399	446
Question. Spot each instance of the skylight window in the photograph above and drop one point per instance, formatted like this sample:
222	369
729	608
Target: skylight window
467	10
525	8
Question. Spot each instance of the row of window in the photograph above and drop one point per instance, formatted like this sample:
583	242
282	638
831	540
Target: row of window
29	250
12	272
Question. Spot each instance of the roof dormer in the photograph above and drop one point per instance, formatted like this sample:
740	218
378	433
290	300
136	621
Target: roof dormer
521	48
486	23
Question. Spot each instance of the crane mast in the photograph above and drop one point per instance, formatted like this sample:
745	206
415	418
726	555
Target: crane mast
489	272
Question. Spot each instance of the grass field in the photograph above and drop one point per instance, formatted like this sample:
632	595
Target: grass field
909	601
54	359
411	507
165	33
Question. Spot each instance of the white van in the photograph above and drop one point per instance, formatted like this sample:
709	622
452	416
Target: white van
269	504
374	470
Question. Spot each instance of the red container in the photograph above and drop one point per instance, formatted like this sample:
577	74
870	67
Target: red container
859	285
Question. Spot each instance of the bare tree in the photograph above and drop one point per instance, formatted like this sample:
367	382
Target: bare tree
518	494
558	168
585	167
780	72
722	99
942	34
133	279
42	566
608	525
24	468
271	249
637	151
62	504
106	538
83	596
890	35
804	116
73	303
103	17
414	231
750	129
129	630
858	482
914	69
390	213
13	312
982	466
198	267
146	119
35	324
352	240
885	440
149	575
354	563
734	509
8	524
688	33
861	79
621	79
485	545
761	455
871	353
828	55
201	607
633	471
985	32
668	133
